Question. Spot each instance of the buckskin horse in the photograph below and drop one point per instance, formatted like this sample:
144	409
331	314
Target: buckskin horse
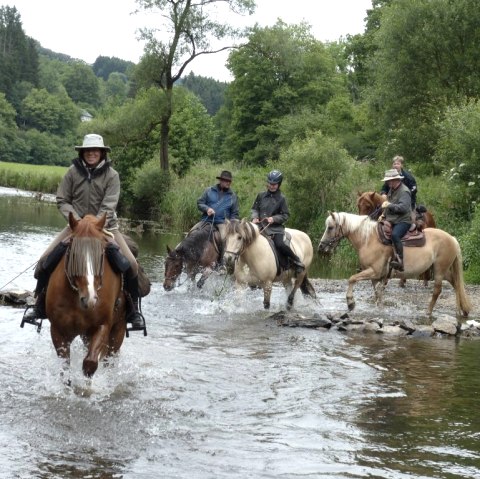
251	257
197	253
85	297
441	251
370	203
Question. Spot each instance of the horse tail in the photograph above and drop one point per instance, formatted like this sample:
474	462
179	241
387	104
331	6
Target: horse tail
463	302
307	288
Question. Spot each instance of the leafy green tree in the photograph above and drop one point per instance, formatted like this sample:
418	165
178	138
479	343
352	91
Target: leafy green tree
12	147
18	54
193	26
44	148
426	59
52	113
211	92
81	84
105	66
281	71
191	132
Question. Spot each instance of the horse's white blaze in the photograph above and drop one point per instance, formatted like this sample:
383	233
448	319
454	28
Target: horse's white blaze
90	277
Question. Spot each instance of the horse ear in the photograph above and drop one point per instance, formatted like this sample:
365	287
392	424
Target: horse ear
169	250
72	221
359	193
329	213
372	195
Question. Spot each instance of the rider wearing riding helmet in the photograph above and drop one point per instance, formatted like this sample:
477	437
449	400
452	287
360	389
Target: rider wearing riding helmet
270	207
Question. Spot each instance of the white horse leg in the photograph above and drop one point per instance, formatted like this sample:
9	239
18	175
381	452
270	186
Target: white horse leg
267	293
291	296
366	274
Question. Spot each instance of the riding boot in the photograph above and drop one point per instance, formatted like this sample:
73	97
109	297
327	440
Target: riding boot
397	263
38	311
134	314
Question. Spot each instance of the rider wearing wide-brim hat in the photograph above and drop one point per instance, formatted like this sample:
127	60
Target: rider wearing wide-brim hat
90	186
398	211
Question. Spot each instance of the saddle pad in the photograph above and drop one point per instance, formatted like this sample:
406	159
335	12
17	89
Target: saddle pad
412	238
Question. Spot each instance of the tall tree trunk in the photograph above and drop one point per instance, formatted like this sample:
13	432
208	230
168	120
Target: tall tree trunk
165	128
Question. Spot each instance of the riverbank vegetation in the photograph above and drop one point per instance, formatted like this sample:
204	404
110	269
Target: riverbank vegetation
330	116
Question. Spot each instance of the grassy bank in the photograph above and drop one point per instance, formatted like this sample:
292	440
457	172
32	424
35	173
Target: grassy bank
41	178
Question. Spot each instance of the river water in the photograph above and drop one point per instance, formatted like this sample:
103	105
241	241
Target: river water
218	390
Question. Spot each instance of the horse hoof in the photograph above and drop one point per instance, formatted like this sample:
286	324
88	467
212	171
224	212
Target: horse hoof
266	305
89	367
351	306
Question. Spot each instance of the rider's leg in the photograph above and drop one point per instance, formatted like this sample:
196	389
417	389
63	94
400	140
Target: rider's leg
398	231
134	315
45	266
278	239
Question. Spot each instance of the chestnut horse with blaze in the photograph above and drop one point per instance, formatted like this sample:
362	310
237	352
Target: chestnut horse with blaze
85	296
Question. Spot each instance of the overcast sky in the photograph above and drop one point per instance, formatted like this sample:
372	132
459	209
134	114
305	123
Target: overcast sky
89	28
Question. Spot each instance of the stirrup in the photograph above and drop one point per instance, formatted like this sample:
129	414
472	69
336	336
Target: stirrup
137	328
33	321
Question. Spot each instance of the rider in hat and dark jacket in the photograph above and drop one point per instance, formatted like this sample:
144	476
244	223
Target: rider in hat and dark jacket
398	211
90	186
270	208
218	203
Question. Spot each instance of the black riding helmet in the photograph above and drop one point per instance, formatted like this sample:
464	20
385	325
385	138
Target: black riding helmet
275	177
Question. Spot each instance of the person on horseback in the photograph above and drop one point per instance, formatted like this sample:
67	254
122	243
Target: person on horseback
398	211
218	203
270	207
90	186
408	180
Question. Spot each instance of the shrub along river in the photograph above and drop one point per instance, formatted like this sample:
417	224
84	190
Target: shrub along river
218	390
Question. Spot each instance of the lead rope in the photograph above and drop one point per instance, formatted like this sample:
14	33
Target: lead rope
19	274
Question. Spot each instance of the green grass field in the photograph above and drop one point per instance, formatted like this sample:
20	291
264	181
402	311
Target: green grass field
42	178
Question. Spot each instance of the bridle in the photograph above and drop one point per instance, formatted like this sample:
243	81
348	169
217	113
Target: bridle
333	242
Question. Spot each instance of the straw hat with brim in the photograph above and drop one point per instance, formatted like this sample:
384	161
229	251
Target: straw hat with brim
392	175
225	175
92	141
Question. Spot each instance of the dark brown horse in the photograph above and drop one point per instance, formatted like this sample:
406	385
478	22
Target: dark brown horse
197	253
85	296
370	204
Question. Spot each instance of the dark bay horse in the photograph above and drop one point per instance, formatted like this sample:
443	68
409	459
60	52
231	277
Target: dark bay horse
441	251
197	253
370	203
85	297
250	256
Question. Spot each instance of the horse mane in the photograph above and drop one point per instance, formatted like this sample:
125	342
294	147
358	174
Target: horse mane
193	245
355	223
87	239
247	230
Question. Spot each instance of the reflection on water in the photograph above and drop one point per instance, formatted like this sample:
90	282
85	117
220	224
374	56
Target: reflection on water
218	390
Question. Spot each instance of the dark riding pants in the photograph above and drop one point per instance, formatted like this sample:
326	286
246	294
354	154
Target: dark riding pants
398	231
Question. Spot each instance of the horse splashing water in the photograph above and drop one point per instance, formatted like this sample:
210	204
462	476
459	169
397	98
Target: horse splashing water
441	251
85	297
251	257
197	253
370	203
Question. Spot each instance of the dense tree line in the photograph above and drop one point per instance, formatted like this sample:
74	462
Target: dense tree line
408	85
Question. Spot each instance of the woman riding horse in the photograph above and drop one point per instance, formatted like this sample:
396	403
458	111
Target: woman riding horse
90	186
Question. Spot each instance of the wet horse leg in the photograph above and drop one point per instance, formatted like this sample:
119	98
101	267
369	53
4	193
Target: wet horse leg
298	282
366	274
98	347
267	293
437	289
62	347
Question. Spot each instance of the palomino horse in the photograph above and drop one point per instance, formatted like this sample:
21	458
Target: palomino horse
250	253
370	203
85	296
197	253
441	251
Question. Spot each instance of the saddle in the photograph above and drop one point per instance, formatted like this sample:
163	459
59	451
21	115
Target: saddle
216	238
282	262
414	237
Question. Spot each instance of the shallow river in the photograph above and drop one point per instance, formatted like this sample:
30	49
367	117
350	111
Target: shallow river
218	390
